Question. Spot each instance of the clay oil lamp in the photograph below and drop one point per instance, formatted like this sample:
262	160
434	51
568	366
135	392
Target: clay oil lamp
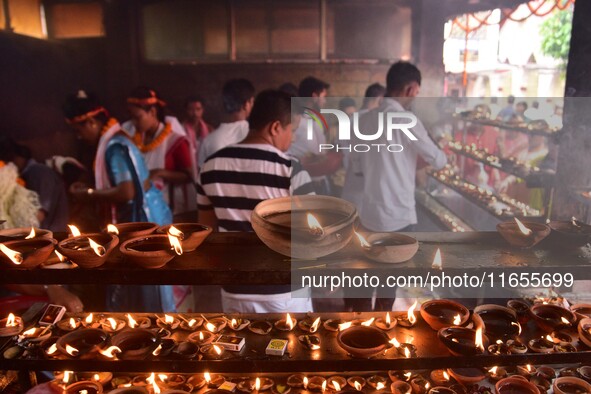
561	338
136	344
543	344
190	324
521	308
315	383
363	342
26	253
400	376
213	381
188	351
296	380
101	377
515	384
131	230
584	329
565	348
440	377
82	344
201	338
112	325
571	233
310	342
69	324
409	318
304	227
582	311
389	248
150	251
138	322
584	372
407	350
238	324
527	371
90	322
260	327
88	250
523	235
441	390
500	322
307	325
168	322
571	385
85	387
20	233
420	385
11	326
401	387
357	382
462	341
516	346
545	372
280	389
542	384
49	348
286	324
191	235
386	323
551	317
197	381
497	373
378	382
467	376
444	313
35	334
336	383
499	348
332	325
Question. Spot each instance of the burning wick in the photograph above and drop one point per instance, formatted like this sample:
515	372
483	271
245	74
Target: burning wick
14	256
131	321
168	319
192	322
344	326
163	377
217	349
60	256
445	375
74	230
72	351
11	321
457	320
200	335
437	260
406	352
380	386
98	249
110	351
207	377
410	319
175	244
478	340
67	375
210	327
574	222
358	386
314	225
305	382
112	229
524	230
157	351
96	377
31	234
367	323
152	380
52	349
257	385
175	232
363	241
72	323
388	321
315	325
88	319
337	386
324	386
113	323
564	320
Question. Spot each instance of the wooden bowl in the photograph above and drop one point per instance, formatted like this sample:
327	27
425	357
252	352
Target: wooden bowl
515	385
460	341
151	251
33	251
499	322
136	344
440	313
515	237
131	230
549	317
281	224
12	234
568	385
194	234
77	249
390	248
363	342
565	233
88	341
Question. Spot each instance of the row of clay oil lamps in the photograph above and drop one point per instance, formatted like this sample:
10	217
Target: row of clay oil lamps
526	380
142	243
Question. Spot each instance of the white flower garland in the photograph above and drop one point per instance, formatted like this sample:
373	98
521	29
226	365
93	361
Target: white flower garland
18	205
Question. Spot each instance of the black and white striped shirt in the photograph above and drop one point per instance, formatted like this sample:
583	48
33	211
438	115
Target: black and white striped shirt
235	179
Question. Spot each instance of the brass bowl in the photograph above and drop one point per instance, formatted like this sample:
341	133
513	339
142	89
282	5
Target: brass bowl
390	248
272	222
34	252
77	249
131	230
510	231
194	234
151	251
362	341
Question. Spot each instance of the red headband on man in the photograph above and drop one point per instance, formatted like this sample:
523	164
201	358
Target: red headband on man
88	115
153	100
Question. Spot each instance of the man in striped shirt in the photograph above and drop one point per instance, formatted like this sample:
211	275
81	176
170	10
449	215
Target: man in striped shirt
235	179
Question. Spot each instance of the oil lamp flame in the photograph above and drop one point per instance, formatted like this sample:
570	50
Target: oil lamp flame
314	225
210	327
406	352
337	386
289	322
395	342
207	377
14	256
112	229
168	319
52	349
362	240
200	336
96	377
380	386
344	326
412	319
30	332
162	377
493	370
548	338
192	322
11	321
574	222
74	230
524	230
437	264
457	320
113	323
175	232
358	386
324	386
388	321
408	375
31	234
445	375
60	256
67	375
157	351
132	323
367	323
518	326
72	351
314	326
72	322
217	349
564	320
88	319
478	340
257	384
305	382
152	380
175	244
528	368
98	249
110	351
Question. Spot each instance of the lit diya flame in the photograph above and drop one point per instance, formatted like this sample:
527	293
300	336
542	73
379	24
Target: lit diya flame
406	352
74	230
337	386
175	243
72	351
380	386
257	384
31	234
112	323
388	321
157	351
528	368
72	323
210	327
412	319
96	377
207	377
478	340
357	386
168	319
14	256
192	322
324	386
564	320
152	380
493	370
60	256
175	232
112	229
314	225
314	326
344	326
305	382
362	240
89	319
98	249
457	320
200	335
67	376
234	324
524	230
548	338
518	326
395	342
437	264
367	323
445	375
11	321
52	349
574	222
131	322
163	377
30	332
110	351
218	350
289	322
408	375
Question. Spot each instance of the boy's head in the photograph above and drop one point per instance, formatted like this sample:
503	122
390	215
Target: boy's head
403	81
271	118
238	95
315	88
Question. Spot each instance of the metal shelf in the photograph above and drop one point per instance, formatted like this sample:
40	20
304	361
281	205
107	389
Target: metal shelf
505	126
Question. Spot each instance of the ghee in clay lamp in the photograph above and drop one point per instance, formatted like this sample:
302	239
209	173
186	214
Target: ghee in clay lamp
363	341
11	326
462	341
304	227
88	250
523	235
151	251
190	235
286	324
444	313
390	248
26	253
130	230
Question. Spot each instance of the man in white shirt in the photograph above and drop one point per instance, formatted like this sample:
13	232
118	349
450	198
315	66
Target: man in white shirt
237	97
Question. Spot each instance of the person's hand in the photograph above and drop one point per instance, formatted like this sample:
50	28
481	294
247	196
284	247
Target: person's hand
79	190
46	388
61	296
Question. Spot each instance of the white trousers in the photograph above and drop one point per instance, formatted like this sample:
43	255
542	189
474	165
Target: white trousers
298	301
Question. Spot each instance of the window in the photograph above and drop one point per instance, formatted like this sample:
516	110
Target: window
75	20
25	17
